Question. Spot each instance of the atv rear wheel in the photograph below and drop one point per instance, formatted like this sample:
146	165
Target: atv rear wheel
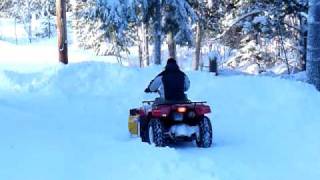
156	133
204	137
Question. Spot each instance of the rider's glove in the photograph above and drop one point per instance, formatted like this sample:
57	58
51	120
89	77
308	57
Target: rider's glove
147	90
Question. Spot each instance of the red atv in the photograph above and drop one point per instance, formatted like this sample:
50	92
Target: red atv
170	122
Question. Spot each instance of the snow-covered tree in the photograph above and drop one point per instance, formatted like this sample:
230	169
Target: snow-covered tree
178	17
270	24
48	10
313	53
206	24
5	6
170	17
142	23
30	11
103	24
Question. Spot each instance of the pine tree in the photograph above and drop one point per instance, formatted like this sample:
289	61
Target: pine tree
47	8
103	24
5	6
177	20
266	23
313	53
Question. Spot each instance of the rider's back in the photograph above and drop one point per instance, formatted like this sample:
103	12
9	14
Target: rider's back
170	83
174	83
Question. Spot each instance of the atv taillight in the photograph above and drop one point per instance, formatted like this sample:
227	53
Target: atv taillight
203	109
161	111
182	109
157	112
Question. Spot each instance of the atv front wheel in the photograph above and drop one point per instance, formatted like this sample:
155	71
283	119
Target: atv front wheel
156	133
204	137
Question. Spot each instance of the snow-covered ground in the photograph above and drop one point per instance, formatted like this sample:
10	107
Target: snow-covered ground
70	122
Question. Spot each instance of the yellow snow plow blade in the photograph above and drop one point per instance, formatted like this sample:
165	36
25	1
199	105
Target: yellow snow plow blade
133	124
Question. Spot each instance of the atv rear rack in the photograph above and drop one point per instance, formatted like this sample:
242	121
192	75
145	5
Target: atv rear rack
171	103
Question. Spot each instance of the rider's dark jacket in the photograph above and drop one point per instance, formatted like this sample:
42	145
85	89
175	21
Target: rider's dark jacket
172	82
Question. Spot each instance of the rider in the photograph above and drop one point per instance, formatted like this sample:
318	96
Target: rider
171	83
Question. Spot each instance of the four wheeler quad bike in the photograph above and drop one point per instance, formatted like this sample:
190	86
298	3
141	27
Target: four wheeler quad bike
172	122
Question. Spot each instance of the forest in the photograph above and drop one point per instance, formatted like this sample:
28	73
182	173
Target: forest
250	35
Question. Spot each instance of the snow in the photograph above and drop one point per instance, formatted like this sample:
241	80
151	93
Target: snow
70	122
8	32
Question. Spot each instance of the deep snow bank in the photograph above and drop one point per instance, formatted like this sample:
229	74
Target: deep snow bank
70	123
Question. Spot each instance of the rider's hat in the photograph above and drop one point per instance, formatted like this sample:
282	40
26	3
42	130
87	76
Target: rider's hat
171	60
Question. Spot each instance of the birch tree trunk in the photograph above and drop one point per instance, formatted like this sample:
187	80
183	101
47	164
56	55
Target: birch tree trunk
196	60
313	52
140	53
145	44
157	33
140	39
29	19
171	45
62	31
15	29
49	26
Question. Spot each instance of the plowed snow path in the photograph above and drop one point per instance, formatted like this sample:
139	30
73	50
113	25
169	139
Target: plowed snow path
71	123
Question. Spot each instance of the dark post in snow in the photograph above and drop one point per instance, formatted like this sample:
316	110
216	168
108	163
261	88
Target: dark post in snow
157	33
62	31
313	43
303	34
213	65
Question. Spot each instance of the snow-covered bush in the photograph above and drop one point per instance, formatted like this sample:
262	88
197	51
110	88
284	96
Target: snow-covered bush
251	59
260	30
